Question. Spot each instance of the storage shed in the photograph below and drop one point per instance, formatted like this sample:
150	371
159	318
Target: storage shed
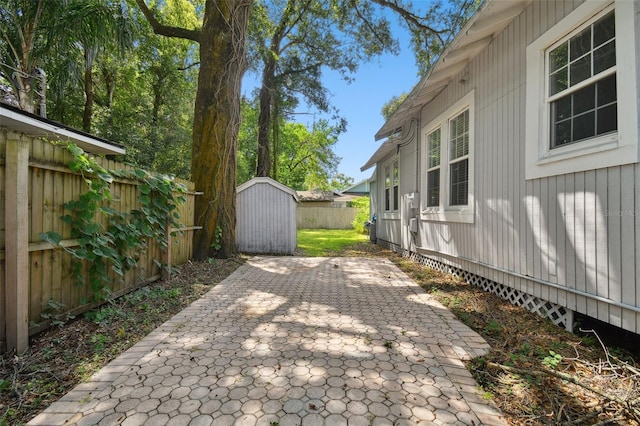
266	217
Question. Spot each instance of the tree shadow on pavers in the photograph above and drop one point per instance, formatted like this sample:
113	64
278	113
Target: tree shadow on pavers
283	338
327	326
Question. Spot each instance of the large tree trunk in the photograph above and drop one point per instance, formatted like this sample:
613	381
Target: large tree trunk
216	125
89	94
264	120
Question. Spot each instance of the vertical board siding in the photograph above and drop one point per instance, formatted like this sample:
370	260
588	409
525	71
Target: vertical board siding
325	217
266	220
580	231
51	185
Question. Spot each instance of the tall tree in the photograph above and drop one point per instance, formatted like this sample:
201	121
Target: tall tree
21	25
248	135
295	39
306	157
33	28
216	117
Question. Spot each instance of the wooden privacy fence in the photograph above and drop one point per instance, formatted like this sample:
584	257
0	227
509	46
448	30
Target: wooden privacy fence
326	217
36	276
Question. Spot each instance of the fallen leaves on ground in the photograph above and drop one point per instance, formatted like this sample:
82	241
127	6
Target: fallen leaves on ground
526	373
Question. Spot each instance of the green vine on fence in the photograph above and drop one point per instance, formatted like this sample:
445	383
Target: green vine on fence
118	245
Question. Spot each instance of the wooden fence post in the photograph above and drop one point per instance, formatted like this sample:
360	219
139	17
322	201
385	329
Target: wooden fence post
17	244
166	269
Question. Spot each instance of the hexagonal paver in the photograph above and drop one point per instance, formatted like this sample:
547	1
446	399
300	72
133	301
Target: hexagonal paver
297	341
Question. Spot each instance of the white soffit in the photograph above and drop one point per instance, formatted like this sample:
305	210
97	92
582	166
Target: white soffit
490	19
32	125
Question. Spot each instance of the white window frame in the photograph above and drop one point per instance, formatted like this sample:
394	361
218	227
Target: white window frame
444	211
391	175
429	168
612	149
395	185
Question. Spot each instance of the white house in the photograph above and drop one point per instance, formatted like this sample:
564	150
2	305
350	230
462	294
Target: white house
514	162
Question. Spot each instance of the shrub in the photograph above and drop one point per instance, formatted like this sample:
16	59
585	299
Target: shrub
362	214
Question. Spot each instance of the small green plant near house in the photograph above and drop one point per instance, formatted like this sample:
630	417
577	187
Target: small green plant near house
552	360
54	311
217	239
118	245
362	213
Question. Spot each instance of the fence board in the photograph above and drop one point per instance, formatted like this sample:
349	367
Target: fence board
49	185
325	217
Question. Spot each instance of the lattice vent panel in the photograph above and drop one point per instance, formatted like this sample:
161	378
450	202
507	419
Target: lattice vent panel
559	315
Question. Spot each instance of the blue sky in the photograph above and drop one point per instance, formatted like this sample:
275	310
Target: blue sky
361	101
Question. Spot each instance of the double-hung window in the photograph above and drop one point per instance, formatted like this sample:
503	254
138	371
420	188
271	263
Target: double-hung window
459	159
581	95
387	188
448	164
396	185
391	187
433	168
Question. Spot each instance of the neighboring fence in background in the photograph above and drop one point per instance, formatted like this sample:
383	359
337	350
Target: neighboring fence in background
326	217
35	183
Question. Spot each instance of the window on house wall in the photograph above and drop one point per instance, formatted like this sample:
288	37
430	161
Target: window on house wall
433	168
459	160
582	94
581	99
387	189
391	187
396	183
448	162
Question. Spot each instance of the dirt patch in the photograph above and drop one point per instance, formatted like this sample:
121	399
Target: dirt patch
536	372
61	357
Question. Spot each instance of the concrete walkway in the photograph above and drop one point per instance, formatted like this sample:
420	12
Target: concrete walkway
294	341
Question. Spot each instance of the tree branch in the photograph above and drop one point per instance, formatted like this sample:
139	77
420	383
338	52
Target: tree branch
411	18
167	30
566	377
186	67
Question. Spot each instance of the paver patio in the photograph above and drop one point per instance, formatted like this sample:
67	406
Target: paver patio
294	341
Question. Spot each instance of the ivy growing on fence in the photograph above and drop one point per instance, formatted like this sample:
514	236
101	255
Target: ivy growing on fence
118	245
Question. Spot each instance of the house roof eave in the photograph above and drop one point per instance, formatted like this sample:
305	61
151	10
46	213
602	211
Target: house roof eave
491	17
17	120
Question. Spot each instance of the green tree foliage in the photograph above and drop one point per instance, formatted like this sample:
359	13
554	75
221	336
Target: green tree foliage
293	41
148	100
392	105
362	213
174	100
340	182
432	24
247	141
305	154
222	40
306	158
83	29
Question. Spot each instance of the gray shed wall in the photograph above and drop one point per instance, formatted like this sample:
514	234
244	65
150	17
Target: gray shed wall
266	220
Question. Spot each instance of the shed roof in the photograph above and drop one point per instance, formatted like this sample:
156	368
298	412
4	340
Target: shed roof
317	195
268	181
490	19
33	125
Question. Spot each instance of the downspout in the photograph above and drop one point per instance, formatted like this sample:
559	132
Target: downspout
417	186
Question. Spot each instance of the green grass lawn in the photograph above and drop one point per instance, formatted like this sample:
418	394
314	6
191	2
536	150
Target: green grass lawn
327	242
